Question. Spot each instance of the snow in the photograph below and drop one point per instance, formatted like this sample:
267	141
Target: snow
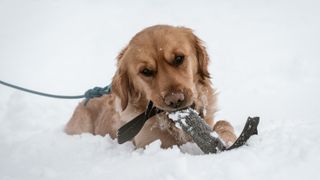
179	115
214	134
265	62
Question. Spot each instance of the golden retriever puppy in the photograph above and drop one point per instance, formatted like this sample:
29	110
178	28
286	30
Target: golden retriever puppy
163	64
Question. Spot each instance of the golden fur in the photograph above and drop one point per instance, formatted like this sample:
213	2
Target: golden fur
149	68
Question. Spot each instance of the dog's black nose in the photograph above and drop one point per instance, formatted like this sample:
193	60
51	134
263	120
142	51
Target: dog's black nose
174	99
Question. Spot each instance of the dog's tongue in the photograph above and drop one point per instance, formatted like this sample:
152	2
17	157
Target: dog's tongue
133	127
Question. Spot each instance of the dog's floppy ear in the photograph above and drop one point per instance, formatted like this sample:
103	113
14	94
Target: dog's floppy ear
201	53
203	58
120	87
120	82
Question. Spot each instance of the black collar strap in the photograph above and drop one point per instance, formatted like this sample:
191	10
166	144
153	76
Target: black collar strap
133	127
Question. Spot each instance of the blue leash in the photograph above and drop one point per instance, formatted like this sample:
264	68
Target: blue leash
89	94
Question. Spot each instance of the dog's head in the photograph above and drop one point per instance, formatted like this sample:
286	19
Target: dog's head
162	64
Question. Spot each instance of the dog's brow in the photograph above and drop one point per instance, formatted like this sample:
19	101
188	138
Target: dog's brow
145	63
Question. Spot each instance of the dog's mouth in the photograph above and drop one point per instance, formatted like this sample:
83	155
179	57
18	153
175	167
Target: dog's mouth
170	109
164	109
153	109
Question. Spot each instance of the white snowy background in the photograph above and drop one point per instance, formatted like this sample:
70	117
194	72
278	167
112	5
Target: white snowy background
264	61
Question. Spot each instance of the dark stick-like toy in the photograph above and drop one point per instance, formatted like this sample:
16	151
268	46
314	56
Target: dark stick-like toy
208	141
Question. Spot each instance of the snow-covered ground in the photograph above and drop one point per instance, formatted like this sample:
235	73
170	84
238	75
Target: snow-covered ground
265	62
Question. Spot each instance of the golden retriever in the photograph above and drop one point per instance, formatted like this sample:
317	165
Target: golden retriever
163	64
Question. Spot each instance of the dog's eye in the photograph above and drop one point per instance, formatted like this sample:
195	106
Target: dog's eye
147	72
178	60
